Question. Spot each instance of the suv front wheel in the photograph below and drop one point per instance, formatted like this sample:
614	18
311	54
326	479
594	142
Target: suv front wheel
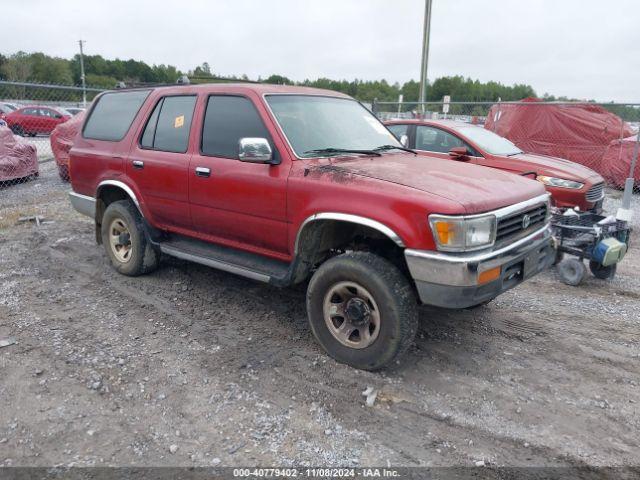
362	310
125	241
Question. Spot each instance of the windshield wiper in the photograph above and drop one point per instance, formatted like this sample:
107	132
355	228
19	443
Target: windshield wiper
322	151
385	148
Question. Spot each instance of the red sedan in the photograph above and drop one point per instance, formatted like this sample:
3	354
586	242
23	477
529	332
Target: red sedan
34	119
570	184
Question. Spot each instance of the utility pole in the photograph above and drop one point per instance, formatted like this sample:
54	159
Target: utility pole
425	53
82	77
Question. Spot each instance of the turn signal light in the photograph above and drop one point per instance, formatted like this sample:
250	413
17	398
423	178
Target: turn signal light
489	275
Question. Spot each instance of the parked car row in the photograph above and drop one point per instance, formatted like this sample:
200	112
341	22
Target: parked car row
32	120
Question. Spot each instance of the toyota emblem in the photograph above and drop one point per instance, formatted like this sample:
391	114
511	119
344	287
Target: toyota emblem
526	221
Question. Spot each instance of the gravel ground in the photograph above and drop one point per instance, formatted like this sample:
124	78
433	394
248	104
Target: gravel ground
192	366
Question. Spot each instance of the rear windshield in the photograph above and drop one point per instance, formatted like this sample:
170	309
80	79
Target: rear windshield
113	115
489	141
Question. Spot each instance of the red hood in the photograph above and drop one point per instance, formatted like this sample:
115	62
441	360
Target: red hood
554	167
478	189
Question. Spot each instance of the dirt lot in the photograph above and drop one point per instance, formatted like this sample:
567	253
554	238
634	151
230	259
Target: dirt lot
192	366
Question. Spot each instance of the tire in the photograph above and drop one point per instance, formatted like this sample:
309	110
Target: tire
135	256
372	291
572	271
601	272
63	171
18	130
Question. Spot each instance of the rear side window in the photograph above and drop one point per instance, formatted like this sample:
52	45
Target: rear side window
169	124
227	120
113	115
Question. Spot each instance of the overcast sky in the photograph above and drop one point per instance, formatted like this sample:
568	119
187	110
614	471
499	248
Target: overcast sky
578	48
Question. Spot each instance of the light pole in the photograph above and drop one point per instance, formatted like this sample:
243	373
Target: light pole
84	83
425	53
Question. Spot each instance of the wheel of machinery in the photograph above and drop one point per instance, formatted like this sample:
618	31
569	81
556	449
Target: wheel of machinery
572	271
601	272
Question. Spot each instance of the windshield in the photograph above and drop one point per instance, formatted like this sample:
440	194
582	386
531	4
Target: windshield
313	123
489	141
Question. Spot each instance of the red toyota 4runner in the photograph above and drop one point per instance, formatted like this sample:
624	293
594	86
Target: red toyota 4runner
287	184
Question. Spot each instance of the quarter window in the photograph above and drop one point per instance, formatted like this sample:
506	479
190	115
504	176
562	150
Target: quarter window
226	121
436	140
398	130
169	124
111	118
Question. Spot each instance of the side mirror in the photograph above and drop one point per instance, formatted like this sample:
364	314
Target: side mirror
255	150
58	116
459	153
404	140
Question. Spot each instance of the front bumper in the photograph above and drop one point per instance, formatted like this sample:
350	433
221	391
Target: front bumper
451	280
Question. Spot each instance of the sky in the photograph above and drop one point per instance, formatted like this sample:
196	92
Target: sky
586	49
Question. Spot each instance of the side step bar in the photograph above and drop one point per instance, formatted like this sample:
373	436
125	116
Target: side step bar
249	265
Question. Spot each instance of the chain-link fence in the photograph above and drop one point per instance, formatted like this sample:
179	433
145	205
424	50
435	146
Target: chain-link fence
37	124
601	136
30	117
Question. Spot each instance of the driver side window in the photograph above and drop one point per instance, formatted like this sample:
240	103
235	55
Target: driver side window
433	139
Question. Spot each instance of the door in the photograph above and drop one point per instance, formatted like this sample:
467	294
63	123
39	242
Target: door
159	162
236	203
438	142
48	120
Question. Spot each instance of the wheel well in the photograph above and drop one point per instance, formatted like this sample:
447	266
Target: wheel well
323	239
106	196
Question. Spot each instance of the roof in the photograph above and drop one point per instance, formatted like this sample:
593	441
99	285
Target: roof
259	88
427	121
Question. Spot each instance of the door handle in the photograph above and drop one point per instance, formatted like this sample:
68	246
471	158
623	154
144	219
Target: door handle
203	171
139	164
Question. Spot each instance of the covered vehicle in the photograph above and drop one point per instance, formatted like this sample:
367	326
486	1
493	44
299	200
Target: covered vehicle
577	132
18	159
617	159
62	140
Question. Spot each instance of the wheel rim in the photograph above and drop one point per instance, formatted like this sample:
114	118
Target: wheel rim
351	315
120	240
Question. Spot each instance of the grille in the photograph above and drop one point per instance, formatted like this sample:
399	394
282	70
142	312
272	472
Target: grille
513	225
595	193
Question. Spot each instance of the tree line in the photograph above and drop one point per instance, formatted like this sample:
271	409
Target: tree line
106	73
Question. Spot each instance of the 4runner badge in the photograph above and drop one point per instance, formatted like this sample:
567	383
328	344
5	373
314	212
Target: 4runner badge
526	221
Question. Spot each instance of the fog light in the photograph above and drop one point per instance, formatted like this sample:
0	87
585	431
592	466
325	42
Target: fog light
489	275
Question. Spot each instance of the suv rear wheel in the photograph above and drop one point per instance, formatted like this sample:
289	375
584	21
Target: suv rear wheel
362	310
125	241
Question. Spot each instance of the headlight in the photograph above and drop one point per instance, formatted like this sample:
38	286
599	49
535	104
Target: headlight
559	182
460	234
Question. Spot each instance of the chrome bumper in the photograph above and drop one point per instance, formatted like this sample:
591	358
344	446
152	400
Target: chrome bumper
451	280
84	204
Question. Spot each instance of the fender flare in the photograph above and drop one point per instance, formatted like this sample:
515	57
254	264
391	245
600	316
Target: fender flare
126	188
349	218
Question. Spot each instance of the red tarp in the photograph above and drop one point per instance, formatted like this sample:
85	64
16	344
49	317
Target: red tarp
617	159
62	140
580	133
18	159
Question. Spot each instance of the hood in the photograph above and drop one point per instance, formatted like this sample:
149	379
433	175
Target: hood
478	189
555	167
